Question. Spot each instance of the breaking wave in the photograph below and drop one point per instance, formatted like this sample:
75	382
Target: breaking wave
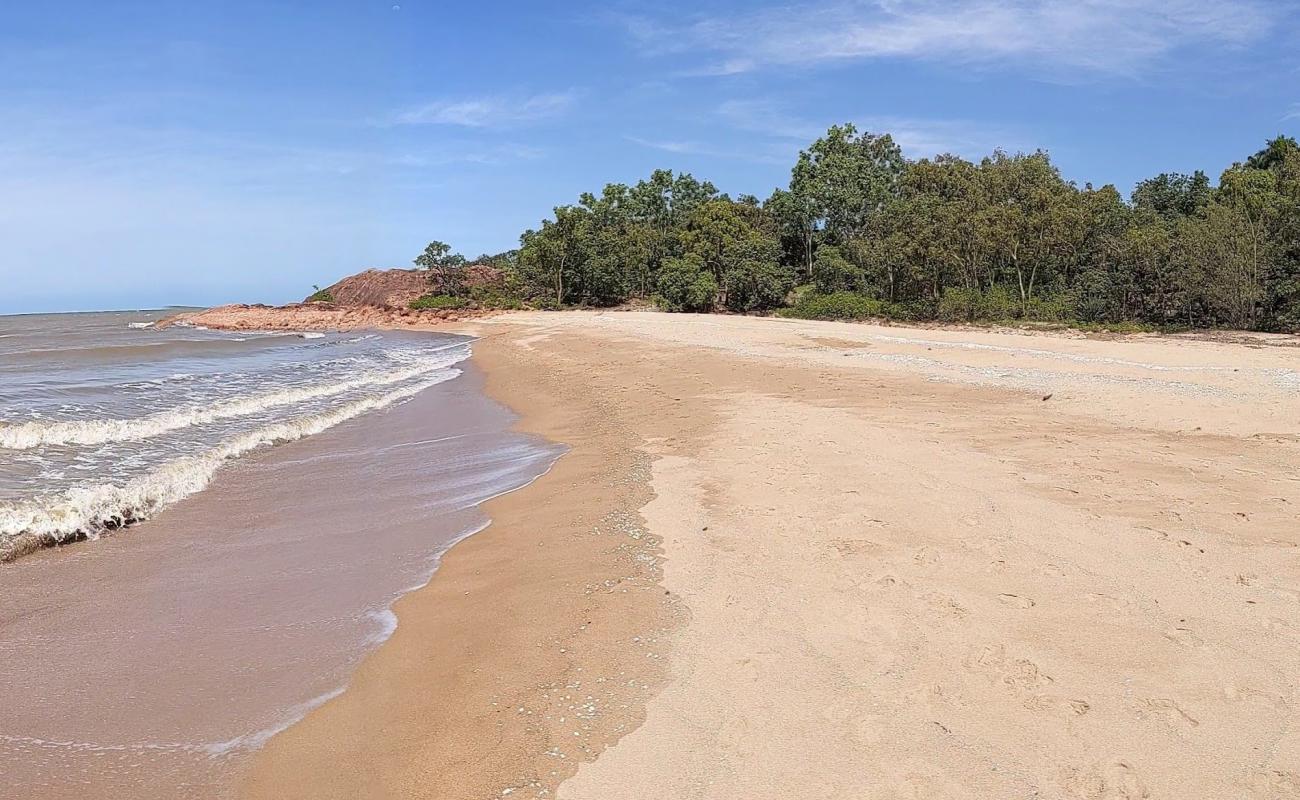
28	435
84	512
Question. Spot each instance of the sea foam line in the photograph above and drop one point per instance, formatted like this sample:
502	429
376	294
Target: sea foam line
87	511
28	435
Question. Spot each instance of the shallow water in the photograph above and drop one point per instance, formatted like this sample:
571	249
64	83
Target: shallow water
153	661
105	420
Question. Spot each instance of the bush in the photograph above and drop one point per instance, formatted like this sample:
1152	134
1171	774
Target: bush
320	296
1059	307
836	306
685	284
437	302
832	273
545	302
495	297
969	305
957	305
756	284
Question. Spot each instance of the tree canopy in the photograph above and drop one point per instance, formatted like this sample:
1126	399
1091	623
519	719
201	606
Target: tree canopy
1004	237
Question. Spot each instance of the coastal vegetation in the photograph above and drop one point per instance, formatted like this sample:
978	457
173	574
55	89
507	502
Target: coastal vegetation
862	231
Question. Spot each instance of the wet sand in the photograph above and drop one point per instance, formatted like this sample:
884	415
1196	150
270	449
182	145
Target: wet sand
788	559
153	662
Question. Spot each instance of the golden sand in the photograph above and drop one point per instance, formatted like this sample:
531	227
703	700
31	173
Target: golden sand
793	560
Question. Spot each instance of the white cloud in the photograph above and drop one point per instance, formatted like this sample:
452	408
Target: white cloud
756	152
668	146
1114	36
918	137
491	111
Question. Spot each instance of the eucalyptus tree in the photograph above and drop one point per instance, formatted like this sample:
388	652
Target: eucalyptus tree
551	256
844	177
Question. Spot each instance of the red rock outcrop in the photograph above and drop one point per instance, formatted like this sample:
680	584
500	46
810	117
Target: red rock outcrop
396	288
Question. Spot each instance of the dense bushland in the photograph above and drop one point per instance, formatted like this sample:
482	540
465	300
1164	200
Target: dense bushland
864	232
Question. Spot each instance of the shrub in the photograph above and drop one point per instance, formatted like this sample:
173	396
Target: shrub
685	284
437	302
835	306
495	297
545	303
969	305
831	272
756	284
320	296
1059	307
957	305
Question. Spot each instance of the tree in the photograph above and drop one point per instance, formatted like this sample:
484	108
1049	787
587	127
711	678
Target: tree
843	177
686	284
446	269
1172	195
744	259
549	257
833	273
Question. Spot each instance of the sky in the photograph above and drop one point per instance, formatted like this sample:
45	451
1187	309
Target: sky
193	153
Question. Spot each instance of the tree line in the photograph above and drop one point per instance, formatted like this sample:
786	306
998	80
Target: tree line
863	231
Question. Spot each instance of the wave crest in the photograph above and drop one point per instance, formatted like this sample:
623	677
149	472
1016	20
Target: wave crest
87	511
28	435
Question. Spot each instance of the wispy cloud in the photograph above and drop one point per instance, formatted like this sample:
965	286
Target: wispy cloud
919	137
1113	36
758	152
1294	113
490	111
669	146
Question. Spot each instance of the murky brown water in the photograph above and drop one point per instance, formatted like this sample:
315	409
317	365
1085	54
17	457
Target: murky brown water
152	662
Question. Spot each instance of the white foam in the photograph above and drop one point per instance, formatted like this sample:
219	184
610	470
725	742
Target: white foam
28	435
89	510
255	740
139	324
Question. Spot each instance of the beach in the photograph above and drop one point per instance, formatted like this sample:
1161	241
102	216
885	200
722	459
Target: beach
282	491
791	559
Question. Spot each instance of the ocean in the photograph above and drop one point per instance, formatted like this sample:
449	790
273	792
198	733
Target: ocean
204	533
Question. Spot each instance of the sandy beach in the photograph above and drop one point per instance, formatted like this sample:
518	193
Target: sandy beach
788	559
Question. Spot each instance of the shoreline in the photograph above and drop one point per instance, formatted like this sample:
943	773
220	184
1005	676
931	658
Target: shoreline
801	617
463	675
280	570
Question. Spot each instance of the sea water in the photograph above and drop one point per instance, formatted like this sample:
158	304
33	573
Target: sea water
234	515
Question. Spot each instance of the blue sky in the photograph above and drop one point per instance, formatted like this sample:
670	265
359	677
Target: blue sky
192	153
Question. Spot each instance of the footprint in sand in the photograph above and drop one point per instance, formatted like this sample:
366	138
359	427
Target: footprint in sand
1184	636
1167	710
1017	673
1115	781
1070	706
1016	601
853	547
1274	784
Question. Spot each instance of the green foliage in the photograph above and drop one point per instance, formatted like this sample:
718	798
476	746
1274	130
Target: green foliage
1003	238
446	269
844	177
831	272
686	284
835	306
320	295
438	302
997	303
